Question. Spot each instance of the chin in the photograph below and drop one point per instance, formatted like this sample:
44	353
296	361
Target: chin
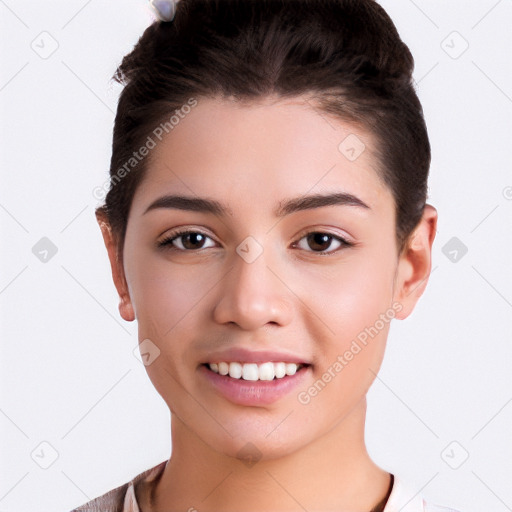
251	444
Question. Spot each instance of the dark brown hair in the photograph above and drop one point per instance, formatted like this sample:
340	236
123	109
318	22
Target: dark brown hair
344	54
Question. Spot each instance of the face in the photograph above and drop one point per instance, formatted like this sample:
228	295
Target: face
313	282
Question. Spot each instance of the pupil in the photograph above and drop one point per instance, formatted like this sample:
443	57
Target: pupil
319	239
194	236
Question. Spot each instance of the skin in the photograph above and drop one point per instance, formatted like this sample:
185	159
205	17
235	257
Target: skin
290	298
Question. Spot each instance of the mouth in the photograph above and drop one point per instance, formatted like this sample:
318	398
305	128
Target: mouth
254	384
266	371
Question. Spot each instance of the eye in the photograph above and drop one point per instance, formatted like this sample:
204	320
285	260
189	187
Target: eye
193	240
318	240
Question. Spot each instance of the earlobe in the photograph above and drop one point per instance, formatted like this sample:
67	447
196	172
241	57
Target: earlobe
126	309
415	263
125	305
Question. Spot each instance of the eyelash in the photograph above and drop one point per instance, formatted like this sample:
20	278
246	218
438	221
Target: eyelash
167	242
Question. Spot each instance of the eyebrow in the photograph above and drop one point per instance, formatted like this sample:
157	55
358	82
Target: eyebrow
205	205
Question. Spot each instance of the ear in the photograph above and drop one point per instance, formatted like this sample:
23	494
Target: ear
415	262
125	305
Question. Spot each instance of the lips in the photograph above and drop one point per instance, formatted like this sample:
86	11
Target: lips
253	392
243	355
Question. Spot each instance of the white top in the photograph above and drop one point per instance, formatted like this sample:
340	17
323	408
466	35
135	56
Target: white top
123	498
404	499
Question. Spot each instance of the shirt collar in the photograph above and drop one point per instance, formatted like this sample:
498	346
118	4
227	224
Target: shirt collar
403	499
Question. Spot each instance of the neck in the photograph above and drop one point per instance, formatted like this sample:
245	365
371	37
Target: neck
334	472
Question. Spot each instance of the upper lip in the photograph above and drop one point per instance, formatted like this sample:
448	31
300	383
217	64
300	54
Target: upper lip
244	355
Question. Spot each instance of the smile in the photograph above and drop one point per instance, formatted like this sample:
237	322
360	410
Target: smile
252	384
253	371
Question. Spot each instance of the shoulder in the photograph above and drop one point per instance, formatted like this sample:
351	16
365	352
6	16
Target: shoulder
122	498
111	501
404	498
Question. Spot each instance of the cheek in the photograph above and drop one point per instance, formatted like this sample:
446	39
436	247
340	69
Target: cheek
167	299
356	313
164	294
351	296
357	304
354	305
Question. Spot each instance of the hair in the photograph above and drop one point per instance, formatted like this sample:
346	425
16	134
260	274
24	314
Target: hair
345	54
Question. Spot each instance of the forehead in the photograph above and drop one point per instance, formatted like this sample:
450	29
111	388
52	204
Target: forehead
266	150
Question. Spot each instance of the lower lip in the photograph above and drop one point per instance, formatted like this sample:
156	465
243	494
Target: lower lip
259	392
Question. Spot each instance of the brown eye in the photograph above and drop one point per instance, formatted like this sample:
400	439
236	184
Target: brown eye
190	240
319	242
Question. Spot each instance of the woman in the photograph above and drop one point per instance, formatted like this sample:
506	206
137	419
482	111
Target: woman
265	222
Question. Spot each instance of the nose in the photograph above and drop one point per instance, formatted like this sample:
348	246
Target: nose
253	294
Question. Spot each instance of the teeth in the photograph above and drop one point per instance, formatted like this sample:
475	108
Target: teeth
253	371
280	370
291	368
223	368
249	371
266	371
235	370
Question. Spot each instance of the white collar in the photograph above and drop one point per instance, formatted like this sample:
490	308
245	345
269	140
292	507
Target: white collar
402	499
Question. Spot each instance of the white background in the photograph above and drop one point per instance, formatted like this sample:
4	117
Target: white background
68	374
